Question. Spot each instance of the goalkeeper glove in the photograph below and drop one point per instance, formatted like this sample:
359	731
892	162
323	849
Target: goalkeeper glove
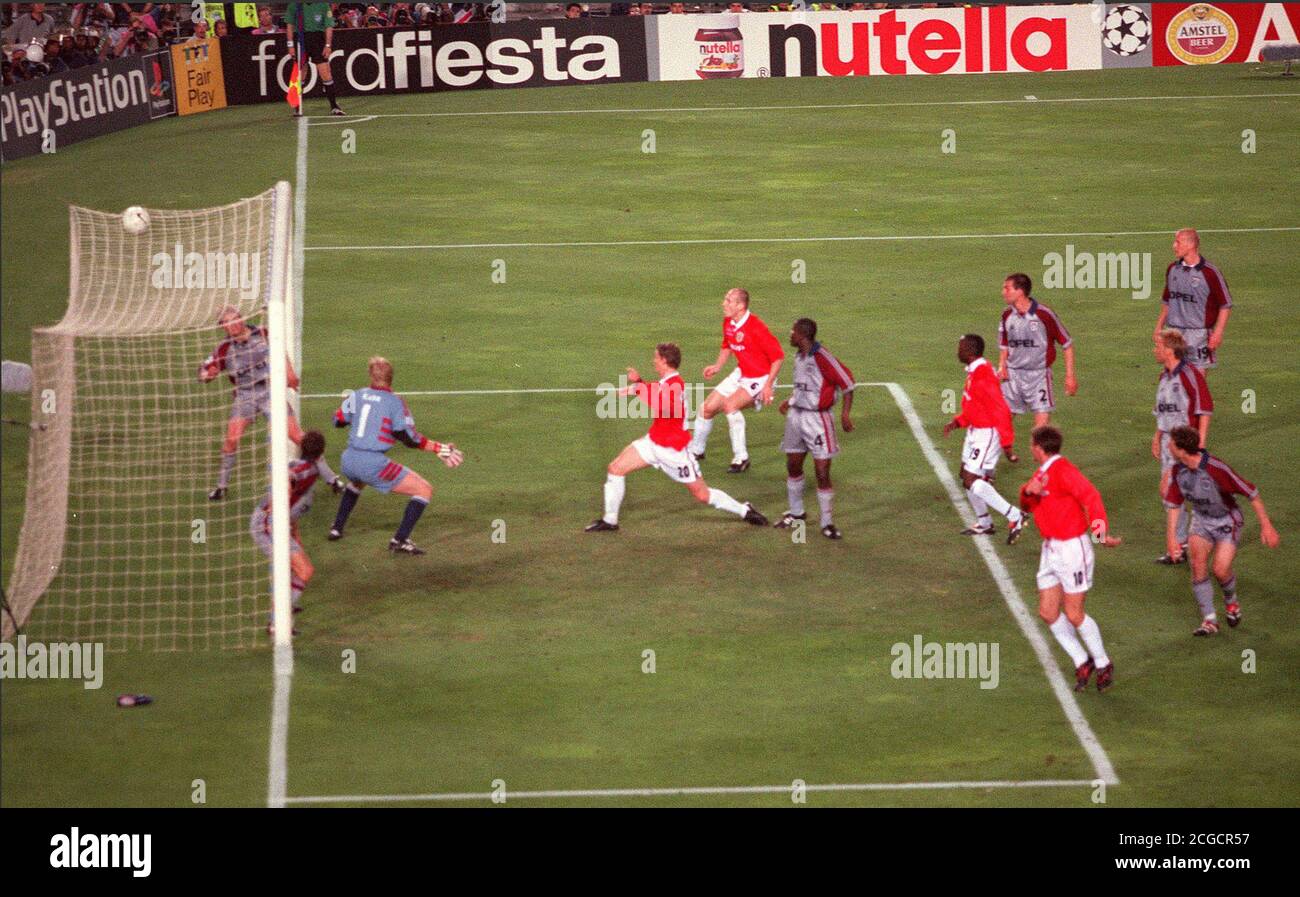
450	455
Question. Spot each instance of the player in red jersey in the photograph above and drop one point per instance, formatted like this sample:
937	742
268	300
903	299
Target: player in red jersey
987	419
758	358
664	447
303	474
1069	513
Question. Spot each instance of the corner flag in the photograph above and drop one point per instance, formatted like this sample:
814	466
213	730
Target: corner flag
294	96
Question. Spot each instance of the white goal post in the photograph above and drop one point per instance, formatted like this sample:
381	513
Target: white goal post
120	542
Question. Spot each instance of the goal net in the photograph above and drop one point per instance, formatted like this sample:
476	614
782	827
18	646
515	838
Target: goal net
120	542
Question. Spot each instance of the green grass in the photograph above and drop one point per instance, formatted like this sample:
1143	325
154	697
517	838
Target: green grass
522	660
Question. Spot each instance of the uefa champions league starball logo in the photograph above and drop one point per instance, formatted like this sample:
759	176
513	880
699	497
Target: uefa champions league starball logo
1126	30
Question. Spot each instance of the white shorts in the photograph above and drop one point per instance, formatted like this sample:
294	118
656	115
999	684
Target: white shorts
752	385
679	464
1066	563
981	451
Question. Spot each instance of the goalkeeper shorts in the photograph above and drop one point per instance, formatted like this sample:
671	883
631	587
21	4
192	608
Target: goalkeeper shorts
373	469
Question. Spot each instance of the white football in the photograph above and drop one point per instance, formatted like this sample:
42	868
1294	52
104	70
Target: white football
135	220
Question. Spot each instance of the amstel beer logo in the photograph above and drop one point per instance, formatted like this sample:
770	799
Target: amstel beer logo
1201	35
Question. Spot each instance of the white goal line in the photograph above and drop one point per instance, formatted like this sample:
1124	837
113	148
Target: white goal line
681	792
631	110
852	238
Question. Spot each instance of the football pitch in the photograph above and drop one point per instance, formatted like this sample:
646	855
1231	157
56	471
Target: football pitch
511	250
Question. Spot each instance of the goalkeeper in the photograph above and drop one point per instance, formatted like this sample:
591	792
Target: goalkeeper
378	419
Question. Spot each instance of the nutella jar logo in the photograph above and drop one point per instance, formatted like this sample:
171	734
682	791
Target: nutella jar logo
720	48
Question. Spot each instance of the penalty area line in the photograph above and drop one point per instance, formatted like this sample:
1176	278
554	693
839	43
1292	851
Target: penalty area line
850	238
1024	618
1019	610
591	390
508	795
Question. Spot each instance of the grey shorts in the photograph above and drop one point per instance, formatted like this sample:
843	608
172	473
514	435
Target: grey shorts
1199	352
259	527
1217	529
810	431
1028	390
250	402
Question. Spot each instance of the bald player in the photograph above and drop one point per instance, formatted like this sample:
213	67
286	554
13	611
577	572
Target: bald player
759	356
1196	301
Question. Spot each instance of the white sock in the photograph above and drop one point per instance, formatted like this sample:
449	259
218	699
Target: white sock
1090	632
982	517
736	424
724	502
984	489
614	488
824	498
794	494
701	437
1069	640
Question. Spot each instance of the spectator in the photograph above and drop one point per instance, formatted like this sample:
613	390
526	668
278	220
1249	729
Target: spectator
77	50
220	29
265	21
647	9
200	30
374	18
34	25
573	11
736	7
676	8
136	39
399	14
634	9
54	62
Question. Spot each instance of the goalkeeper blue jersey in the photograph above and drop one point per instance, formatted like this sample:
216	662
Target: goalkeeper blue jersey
375	415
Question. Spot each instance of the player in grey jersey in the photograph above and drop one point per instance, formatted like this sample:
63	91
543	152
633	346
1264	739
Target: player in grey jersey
1208	485
1196	301
245	357
819	378
1028	335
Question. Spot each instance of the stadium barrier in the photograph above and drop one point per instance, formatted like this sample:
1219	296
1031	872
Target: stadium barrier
1206	34
417	60
56	111
50	113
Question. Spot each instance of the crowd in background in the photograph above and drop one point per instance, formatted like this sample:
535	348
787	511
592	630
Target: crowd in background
49	39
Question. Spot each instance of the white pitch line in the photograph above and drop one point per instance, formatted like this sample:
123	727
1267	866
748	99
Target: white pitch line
827	239
277	777
1028	626
339	120
817	106
277	761
509	392
681	792
1010	594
